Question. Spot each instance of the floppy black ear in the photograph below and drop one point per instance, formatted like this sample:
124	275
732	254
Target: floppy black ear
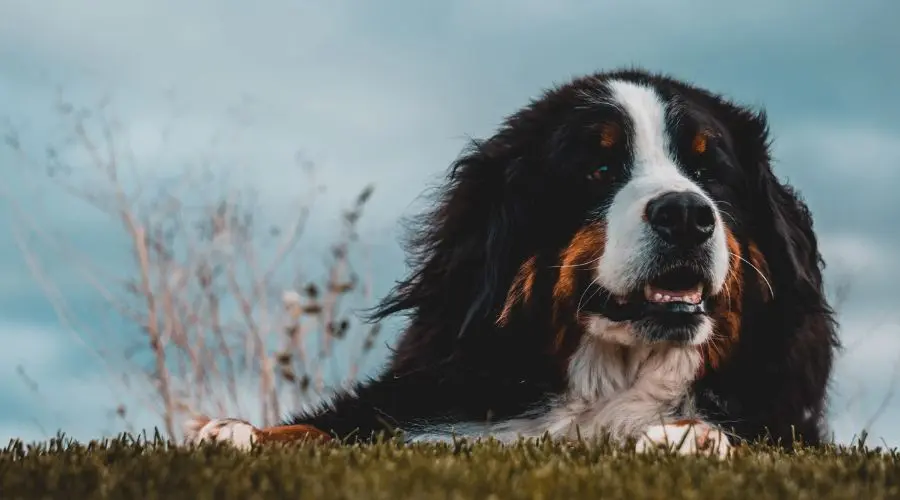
797	263
461	253
781	222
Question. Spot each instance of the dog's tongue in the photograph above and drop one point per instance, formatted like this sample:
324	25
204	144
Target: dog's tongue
660	295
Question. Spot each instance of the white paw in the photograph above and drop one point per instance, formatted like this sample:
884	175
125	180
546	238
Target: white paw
693	438
238	433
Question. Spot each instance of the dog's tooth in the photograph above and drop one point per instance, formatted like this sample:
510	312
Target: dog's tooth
693	296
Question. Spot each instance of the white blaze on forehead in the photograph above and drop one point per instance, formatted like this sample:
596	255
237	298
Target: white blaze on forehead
648	121
650	144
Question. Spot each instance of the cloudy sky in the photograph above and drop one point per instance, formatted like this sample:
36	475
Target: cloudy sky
388	95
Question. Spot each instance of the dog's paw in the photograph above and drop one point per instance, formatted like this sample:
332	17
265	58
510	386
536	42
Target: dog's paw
686	438
238	433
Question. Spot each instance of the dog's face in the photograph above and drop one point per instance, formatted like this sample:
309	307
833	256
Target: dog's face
653	194
652	175
633	205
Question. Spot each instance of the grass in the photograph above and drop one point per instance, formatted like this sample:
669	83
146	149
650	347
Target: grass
151	469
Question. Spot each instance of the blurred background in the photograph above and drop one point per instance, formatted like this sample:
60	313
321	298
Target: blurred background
198	197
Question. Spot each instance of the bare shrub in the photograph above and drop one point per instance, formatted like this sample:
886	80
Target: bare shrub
216	297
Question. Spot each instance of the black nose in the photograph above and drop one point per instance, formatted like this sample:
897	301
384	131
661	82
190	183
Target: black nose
681	219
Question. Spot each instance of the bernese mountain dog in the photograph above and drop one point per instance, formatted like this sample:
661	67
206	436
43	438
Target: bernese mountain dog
617	260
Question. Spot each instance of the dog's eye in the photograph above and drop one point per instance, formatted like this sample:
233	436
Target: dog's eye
600	173
699	171
699	167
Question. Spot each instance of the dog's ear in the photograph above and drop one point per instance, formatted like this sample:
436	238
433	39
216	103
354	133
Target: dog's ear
461	253
783	227
796	261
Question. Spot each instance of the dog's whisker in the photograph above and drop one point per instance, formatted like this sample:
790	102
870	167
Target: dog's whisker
592	261
760	273
595	292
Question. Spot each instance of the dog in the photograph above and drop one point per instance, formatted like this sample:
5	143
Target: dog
618	260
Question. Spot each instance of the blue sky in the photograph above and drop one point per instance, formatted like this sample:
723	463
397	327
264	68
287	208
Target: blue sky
388	95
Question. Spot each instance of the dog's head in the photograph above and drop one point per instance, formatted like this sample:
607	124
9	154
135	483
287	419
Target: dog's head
626	205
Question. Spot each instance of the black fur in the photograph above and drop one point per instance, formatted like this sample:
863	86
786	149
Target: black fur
509	198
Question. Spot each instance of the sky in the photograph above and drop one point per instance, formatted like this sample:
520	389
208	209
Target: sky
388	93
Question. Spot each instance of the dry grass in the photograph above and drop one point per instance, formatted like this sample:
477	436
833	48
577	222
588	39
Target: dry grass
128	468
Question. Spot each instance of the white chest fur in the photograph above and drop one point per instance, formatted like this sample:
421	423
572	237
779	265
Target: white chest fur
623	389
620	389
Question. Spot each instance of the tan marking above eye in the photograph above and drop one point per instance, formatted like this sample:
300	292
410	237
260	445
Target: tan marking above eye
609	134
700	142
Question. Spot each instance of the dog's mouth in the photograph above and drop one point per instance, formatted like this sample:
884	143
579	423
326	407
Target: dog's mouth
679	291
